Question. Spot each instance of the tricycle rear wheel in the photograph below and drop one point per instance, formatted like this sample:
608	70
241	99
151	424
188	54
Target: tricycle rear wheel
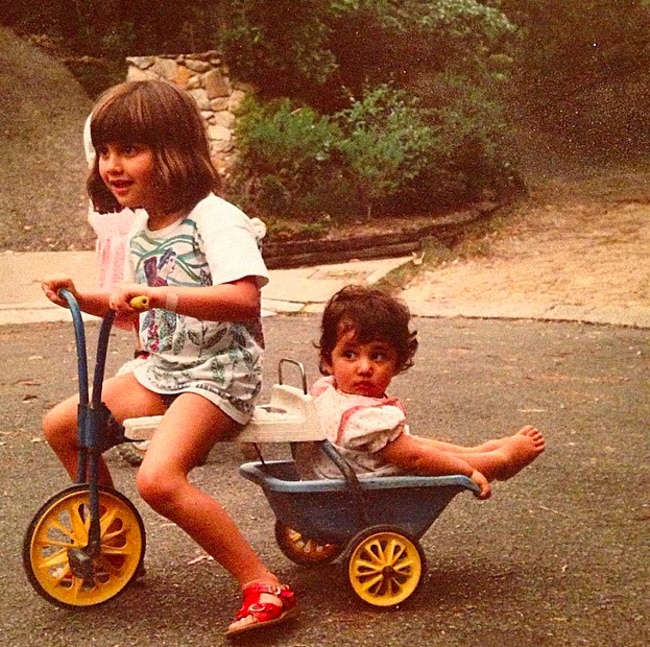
385	565
61	526
301	549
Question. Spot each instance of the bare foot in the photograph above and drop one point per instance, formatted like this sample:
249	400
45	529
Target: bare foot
519	450
496	443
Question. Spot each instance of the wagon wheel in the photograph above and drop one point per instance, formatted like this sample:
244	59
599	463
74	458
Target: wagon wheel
133	452
385	565
63	524
303	550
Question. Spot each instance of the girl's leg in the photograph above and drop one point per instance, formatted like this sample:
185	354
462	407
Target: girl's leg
123	395
186	434
188	430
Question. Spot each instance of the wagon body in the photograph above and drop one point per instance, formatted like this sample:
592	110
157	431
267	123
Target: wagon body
335	510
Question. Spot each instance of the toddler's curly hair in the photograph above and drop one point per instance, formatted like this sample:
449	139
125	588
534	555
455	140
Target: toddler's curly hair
372	315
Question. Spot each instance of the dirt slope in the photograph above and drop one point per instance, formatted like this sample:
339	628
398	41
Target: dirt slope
582	239
42	167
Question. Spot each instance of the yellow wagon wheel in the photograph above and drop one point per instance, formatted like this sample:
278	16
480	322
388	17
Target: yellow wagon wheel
304	550
63	524
385	565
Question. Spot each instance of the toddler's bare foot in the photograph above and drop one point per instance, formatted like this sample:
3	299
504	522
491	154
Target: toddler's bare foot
520	450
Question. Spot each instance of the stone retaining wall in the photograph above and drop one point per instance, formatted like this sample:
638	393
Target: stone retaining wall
206	77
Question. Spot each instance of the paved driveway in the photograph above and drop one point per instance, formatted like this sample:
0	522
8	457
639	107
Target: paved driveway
559	556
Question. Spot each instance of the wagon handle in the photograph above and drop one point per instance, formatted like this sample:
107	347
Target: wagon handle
301	368
350	478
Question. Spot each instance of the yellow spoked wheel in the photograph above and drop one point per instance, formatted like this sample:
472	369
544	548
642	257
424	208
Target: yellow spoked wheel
61	526
385	566
303	550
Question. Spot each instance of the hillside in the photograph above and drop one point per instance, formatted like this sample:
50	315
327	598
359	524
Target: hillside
42	174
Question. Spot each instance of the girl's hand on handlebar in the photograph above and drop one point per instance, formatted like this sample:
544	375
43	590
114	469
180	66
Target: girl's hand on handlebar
53	284
129	299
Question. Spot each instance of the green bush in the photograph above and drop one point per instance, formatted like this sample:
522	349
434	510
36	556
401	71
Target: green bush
382	155
283	152
385	144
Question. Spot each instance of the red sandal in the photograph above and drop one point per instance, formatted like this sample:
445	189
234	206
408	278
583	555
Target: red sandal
266	613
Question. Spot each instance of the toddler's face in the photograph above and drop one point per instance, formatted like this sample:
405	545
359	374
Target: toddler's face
363	369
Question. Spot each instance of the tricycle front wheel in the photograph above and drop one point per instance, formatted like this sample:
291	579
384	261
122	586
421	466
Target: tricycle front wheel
62	526
301	549
385	565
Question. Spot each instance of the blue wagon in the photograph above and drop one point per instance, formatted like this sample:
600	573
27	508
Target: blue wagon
374	522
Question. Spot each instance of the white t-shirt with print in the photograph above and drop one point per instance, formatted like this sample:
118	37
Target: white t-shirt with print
215	243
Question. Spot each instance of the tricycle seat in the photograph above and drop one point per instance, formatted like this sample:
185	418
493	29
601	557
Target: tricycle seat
290	416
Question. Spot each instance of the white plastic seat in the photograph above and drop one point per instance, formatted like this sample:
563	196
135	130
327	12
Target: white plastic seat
290	416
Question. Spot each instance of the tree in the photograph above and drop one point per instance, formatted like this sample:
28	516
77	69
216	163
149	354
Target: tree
580	70
326	51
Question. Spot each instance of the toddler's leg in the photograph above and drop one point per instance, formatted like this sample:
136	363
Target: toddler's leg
508	455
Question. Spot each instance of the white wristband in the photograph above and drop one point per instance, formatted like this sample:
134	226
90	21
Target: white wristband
171	302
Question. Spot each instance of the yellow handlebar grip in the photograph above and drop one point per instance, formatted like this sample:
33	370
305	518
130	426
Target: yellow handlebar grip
139	303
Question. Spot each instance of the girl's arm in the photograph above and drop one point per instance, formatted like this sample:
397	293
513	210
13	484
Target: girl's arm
235	301
93	303
417	455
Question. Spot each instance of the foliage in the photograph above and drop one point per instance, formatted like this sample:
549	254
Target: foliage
385	144
382	154
394	152
580	68
323	51
373	43
279	46
119	28
283	153
476	69
297	161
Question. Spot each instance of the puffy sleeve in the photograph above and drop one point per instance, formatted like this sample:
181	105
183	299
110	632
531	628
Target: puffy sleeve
230	241
370	429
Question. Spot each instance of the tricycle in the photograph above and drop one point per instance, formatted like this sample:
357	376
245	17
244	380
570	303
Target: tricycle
87	542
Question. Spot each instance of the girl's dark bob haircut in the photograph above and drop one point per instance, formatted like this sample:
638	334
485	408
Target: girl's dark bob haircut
371	315
165	118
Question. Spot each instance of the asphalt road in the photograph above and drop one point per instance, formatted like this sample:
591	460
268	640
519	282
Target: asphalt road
559	556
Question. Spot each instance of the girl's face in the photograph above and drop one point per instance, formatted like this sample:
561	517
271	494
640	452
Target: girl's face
362	369
127	170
